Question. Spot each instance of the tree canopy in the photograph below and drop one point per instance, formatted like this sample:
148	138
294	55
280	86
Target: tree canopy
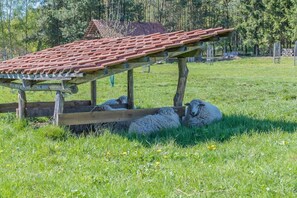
31	25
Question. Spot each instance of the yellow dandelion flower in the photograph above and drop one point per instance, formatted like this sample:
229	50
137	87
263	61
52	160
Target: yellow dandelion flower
159	151
124	153
212	147
157	163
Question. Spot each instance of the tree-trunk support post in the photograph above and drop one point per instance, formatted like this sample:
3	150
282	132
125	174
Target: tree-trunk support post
130	89
182	82
93	93
59	106
22	104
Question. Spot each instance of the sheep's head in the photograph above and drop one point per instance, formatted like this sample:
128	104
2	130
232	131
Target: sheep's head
166	111
122	100
194	107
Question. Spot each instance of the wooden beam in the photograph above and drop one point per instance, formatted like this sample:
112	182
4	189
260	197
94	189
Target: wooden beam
187	53
37	77
183	51
49	111
109	116
11	107
109	71
59	106
46	109
93	92
130	81
6	80
69	88
182	82
22	104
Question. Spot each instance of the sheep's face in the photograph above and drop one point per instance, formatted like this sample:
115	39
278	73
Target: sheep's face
194	107
122	100
166	111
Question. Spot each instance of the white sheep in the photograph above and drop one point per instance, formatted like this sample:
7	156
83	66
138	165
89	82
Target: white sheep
120	100
200	113
112	126
165	118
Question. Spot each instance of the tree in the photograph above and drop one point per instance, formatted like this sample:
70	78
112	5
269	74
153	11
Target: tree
251	24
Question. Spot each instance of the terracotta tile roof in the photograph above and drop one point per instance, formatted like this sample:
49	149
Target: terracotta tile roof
88	56
103	29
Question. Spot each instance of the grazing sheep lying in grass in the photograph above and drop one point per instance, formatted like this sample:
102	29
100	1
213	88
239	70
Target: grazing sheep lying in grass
200	113
164	119
120	100
112	126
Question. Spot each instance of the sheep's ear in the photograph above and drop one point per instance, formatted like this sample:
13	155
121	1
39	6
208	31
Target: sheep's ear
187	104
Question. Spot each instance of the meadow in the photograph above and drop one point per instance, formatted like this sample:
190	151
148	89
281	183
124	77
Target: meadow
250	153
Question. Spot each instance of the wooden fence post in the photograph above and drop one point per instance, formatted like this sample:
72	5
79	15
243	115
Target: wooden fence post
93	92
182	82
130	89
59	106
22	104
276	52
295	54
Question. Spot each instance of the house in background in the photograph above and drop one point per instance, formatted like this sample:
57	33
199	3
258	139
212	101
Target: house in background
103	29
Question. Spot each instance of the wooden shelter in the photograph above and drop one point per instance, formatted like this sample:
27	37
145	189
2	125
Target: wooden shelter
64	67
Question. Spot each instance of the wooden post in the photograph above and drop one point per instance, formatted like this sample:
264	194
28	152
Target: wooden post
130	89
182	82
22	104
93	93
295	54
276	52
59	106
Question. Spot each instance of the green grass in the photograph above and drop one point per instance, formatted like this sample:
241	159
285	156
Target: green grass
251	152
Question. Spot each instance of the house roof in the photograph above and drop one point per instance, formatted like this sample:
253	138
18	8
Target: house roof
102	29
88	56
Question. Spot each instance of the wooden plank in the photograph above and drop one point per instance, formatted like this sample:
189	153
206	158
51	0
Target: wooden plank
69	88
111	70
37	77
11	107
130	90
109	116
21	113
190	51
183	51
182	82
93	92
49	111
59	106
40	112
8	107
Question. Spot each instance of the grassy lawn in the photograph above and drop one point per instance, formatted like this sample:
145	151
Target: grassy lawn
252	152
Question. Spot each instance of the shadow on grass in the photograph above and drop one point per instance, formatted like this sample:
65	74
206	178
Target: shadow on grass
230	126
